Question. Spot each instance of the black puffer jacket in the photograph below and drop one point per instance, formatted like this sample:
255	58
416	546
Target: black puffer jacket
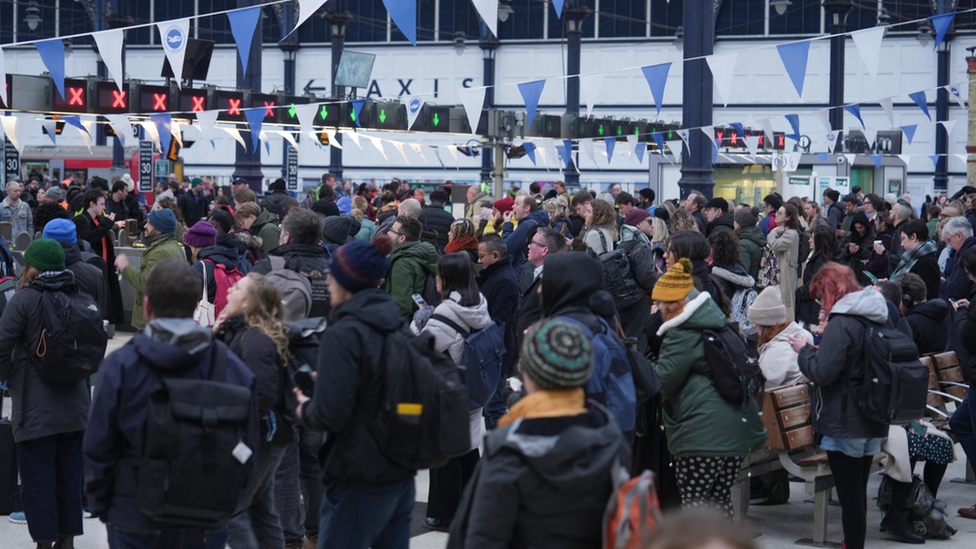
928	322
965	327
90	279
499	285
542	482
349	387
437	219
309	260
807	309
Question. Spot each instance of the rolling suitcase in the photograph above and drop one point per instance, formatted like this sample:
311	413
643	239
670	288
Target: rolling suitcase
9	475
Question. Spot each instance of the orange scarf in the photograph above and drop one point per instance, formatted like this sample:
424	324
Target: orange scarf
547	403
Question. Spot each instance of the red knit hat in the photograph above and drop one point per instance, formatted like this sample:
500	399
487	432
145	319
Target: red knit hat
505	205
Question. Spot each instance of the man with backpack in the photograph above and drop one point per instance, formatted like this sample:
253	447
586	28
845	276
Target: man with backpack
301	231
499	284
132	439
279	202
90	279
413	262
161	235
369	497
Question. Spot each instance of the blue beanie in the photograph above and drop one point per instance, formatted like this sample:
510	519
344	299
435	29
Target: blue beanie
345	205
361	265
61	230
163	219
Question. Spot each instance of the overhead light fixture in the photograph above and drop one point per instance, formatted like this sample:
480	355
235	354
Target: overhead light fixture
504	11
926	32
780	5
679	38
33	15
459	43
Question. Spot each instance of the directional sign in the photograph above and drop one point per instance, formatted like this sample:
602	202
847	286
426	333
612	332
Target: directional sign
292	180
440	119
309	89
111	100
146	166
77	97
11	161
389	116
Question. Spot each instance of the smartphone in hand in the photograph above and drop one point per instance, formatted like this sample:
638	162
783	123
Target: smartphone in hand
304	381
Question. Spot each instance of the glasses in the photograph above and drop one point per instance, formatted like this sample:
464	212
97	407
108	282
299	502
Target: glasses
391	231
537	244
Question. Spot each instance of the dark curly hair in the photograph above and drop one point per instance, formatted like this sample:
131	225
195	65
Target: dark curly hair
47	212
725	248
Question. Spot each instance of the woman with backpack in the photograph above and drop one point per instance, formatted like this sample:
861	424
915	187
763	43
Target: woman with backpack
48	418
727	270
708	436
463	308
216	265
251	326
784	241
850	438
601	227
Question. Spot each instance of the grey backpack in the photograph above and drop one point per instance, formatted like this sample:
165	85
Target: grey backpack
296	289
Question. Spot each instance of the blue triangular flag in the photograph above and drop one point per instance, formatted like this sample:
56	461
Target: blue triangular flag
357	107
823	157
639	151
255	117
530	151
531	92
739	129
659	139
910	132
558	4
267	146
566	151
76	122
794	120
941	23
404	14
164	127
877	160
714	153
242	25
856	111
657	77
52	53
794	57
610	143
922	102
934	158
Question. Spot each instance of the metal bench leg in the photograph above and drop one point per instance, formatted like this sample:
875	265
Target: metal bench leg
970	476
820	500
740	500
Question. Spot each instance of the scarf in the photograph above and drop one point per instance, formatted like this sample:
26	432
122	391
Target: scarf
908	259
547	403
462	244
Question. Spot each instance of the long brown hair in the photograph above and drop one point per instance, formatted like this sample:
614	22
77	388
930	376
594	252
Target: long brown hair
603	214
771	332
30	273
265	313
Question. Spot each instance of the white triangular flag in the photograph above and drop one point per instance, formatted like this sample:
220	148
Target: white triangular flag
889	110
868	42
437	153
871	135
205	122
823	115
709	132
488	10
453	150
87	134
399	147
176	129
632	146
575	155
962	158
906	158
684	135
174	34
332	139
419	149
588	149
120	123
831	139
150	129
676	147
3	80
415	104
51	128
552	153
233	132
850	159
10	128
290	138
948	125
473	100
306	116
722	67
752	143
109	44
378	144
353	136
954	92
767	128
590	86
306	8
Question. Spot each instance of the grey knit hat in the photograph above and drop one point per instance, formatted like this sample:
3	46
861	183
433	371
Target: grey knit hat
768	308
557	355
745	219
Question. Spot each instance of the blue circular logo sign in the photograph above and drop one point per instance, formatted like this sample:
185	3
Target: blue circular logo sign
174	39
415	105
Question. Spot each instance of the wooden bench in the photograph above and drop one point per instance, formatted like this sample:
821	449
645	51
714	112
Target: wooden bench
947	386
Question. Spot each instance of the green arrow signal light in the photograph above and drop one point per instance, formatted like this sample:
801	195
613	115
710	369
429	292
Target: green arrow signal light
352	115
637	130
437	120
549	126
582	128
620	130
291	111
382	115
600	129
324	112
670	134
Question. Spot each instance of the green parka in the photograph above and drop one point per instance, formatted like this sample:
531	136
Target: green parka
162	247
752	242
410	264
266	227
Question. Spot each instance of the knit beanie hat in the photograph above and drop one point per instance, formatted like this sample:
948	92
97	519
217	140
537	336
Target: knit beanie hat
55	193
635	216
195	182
130	185
768	308
163	219
361	265
61	230
45	254
675	284
745	219
200	235
557	355
504	205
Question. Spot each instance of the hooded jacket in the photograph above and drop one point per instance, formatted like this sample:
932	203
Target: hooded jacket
349	386
474	205
309	260
410	265
517	239
569	280
720	223
542	482
446	338
777	359
835	412
499	285
218	255
39	409
175	347
732	278
928	323
436	218
164	246
697	420
752	242
89	278
266	227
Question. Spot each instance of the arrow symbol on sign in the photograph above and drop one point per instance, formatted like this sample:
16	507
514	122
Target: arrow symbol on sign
600	130
437	119
620	130
291	111
309	89
382	116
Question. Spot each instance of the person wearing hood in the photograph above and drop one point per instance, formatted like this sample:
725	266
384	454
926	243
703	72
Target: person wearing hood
499	284
751	240
475	196
525	211
92	227
725	267
850	438
175	346
261	223
345	205
717	213
856	247
437	219
162	245
89	278
926	317
226	237
921	257
411	263
369	496
463	308
49	425
338	230
784	241
558	220
545	477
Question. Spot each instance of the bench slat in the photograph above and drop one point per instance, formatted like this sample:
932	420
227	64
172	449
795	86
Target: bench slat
798	438
794	417
946	360
790	396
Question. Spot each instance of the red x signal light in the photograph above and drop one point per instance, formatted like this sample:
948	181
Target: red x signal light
160	101
235	106
270	106
118	99
76	98
197	104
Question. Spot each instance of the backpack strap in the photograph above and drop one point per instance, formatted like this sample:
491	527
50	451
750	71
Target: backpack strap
603	240
277	262
218	362
453	325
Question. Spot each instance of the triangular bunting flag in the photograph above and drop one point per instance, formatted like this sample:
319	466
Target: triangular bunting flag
357	108
233	132
823	115
610	142
558	5
163	123
86	133
242	25
739	129
177	132
767	128
415	104
934	158
588	149
530	151
531	92
255	118
952	89
823	157
290	138
399	147
794	58
590	86
419	150
868	42
333	141
722	67
639	150
962	158
307	8
207	119
174	35
632	145
566	151
120	123
488	10
354	137
870	135
709	132
453	150
52	54
659	140
404	16
920	100
752	143
473	100
10	129
906	158
657	78
262	138
684	134
150	129
877	158
76	122
794	120
909	131
51	129
437	153
941	24
677	146
856	111
948	125
110	49
850	159
831	138
889	110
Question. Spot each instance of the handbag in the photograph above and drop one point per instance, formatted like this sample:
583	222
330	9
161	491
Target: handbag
768	269
206	312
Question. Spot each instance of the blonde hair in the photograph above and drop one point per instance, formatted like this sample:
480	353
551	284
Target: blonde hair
356	213
555	209
360	203
247	209
265	313
659	230
682	220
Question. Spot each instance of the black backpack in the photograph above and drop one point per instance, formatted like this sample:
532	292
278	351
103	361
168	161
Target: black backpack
304	339
422	420
619	279
72	340
892	387
191	469
430	294
735	367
